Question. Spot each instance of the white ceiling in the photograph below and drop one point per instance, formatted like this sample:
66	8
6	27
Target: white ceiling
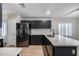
40	9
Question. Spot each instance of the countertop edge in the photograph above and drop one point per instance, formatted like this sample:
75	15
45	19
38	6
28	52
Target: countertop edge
57	45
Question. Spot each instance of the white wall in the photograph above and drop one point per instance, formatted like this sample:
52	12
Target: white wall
4	20
65	20
10	20
77	28
18	18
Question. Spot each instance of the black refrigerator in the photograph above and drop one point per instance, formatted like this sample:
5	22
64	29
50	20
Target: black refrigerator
23	32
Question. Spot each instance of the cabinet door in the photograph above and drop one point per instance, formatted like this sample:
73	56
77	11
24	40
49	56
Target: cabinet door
35	40
35	24
45	24
45	45
49	48
65	51
11	32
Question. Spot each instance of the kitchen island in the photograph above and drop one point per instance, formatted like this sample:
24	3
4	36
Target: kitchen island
60	46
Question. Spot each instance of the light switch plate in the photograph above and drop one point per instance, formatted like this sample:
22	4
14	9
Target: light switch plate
73	51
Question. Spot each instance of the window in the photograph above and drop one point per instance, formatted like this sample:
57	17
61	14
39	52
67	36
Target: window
3	29
65	29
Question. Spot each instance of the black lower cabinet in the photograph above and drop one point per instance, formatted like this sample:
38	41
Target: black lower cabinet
51	50
35	40
1	42
45	43
64	51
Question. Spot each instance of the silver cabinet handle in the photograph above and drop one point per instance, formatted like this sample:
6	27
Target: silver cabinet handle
73	51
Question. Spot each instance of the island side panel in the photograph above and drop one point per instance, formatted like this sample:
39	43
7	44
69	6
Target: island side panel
65	51
77	50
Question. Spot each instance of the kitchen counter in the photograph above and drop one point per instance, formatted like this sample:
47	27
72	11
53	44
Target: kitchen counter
59	40
9	51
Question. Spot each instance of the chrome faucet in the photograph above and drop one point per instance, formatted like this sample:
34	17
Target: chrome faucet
53	33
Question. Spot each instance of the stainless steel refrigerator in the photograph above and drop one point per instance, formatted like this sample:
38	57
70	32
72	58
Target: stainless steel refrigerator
23	32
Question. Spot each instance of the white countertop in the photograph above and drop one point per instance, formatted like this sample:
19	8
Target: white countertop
9	51
59	40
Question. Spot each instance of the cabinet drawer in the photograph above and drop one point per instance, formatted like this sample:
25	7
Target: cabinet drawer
35	39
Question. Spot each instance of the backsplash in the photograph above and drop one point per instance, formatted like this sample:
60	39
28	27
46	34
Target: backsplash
40	31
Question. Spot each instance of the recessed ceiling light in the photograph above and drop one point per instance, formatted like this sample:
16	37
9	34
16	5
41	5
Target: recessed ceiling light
48	12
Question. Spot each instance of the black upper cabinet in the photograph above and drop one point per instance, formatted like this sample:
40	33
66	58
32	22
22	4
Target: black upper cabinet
0	15
45	24
39	24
